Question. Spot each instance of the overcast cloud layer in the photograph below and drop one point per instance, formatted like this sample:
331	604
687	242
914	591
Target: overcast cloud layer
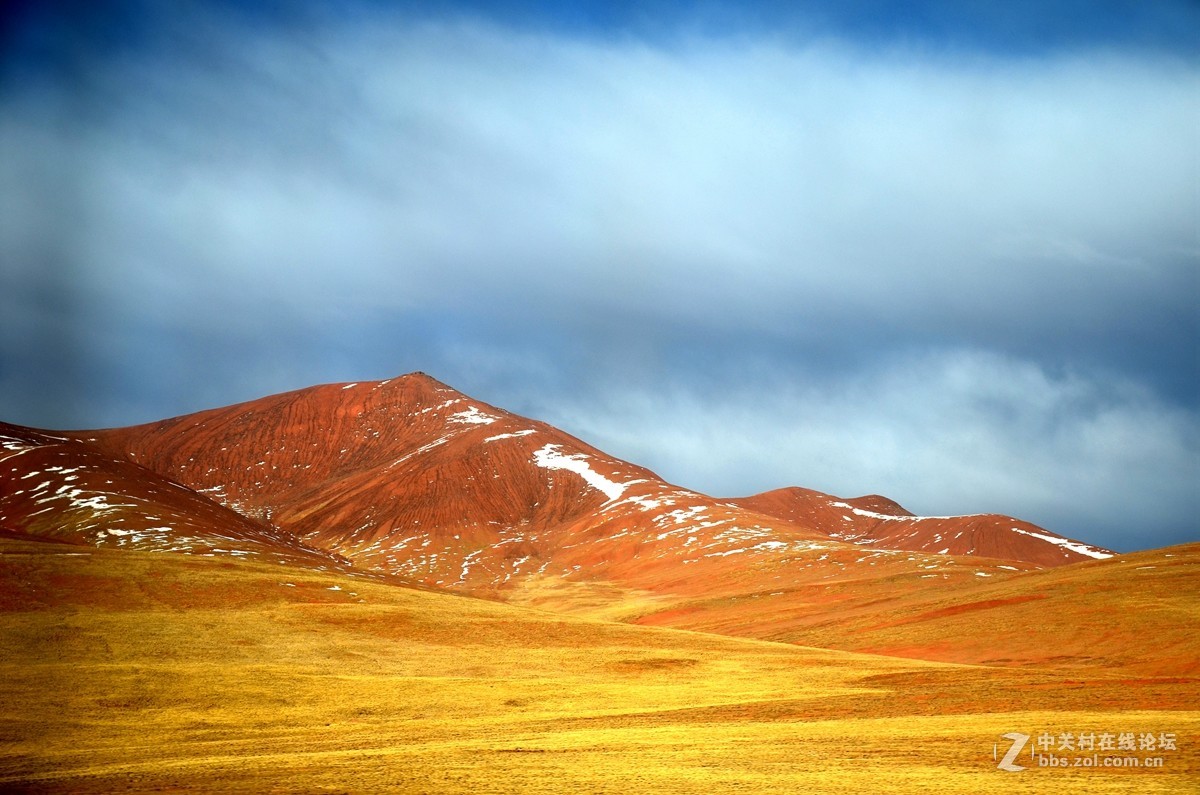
968	282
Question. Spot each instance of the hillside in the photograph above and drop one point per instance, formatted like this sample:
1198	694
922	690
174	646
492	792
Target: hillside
1097	616
411	477
56	487
880	522
129	671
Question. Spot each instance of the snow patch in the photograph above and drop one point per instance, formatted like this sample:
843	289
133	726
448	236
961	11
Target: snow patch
893	517
472	416
468	561
425	448
440	406
681	515
1066	543
549	457
512	435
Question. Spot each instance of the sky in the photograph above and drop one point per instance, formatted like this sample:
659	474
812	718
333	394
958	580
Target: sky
948	252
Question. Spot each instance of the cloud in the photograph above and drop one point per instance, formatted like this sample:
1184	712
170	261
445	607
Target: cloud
227	210
947	432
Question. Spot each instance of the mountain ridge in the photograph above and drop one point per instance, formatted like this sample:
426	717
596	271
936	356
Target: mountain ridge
411	480
348	466
877	520
56	487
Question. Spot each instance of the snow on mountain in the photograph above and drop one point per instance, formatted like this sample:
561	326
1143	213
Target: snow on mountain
879	522
58	488
410	477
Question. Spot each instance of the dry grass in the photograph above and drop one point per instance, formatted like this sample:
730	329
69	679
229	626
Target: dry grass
1096	616
124	671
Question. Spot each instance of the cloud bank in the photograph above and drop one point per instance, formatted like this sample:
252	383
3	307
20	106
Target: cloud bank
951	431
968	282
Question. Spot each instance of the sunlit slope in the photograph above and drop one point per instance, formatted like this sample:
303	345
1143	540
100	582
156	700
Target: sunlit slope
356	464
60	488
131	671
638	551
879	522
411	477
1136	614
752	579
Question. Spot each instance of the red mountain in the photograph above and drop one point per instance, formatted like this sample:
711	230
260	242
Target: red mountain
410	477
879	522
60	488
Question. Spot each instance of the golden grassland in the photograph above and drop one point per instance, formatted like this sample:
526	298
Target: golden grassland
142	672
1094	616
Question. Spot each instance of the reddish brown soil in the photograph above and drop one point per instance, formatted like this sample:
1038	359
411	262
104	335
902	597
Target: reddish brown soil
882	523
61	488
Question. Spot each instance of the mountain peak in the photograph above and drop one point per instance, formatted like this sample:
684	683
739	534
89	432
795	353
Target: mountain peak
410	476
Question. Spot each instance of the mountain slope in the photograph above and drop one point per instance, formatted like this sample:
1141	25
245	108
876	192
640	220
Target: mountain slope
879	522
56	487
410	477
122	671
1134	614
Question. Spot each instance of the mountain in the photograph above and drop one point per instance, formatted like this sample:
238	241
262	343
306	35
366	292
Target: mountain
879	522
410	477
315	612
56	487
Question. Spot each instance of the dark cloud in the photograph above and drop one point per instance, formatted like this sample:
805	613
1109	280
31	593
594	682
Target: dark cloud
966	282
951	431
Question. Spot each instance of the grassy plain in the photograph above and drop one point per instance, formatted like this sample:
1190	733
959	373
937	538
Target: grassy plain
1134	615
143	672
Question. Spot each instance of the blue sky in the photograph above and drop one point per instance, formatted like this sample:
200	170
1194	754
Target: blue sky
944	251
